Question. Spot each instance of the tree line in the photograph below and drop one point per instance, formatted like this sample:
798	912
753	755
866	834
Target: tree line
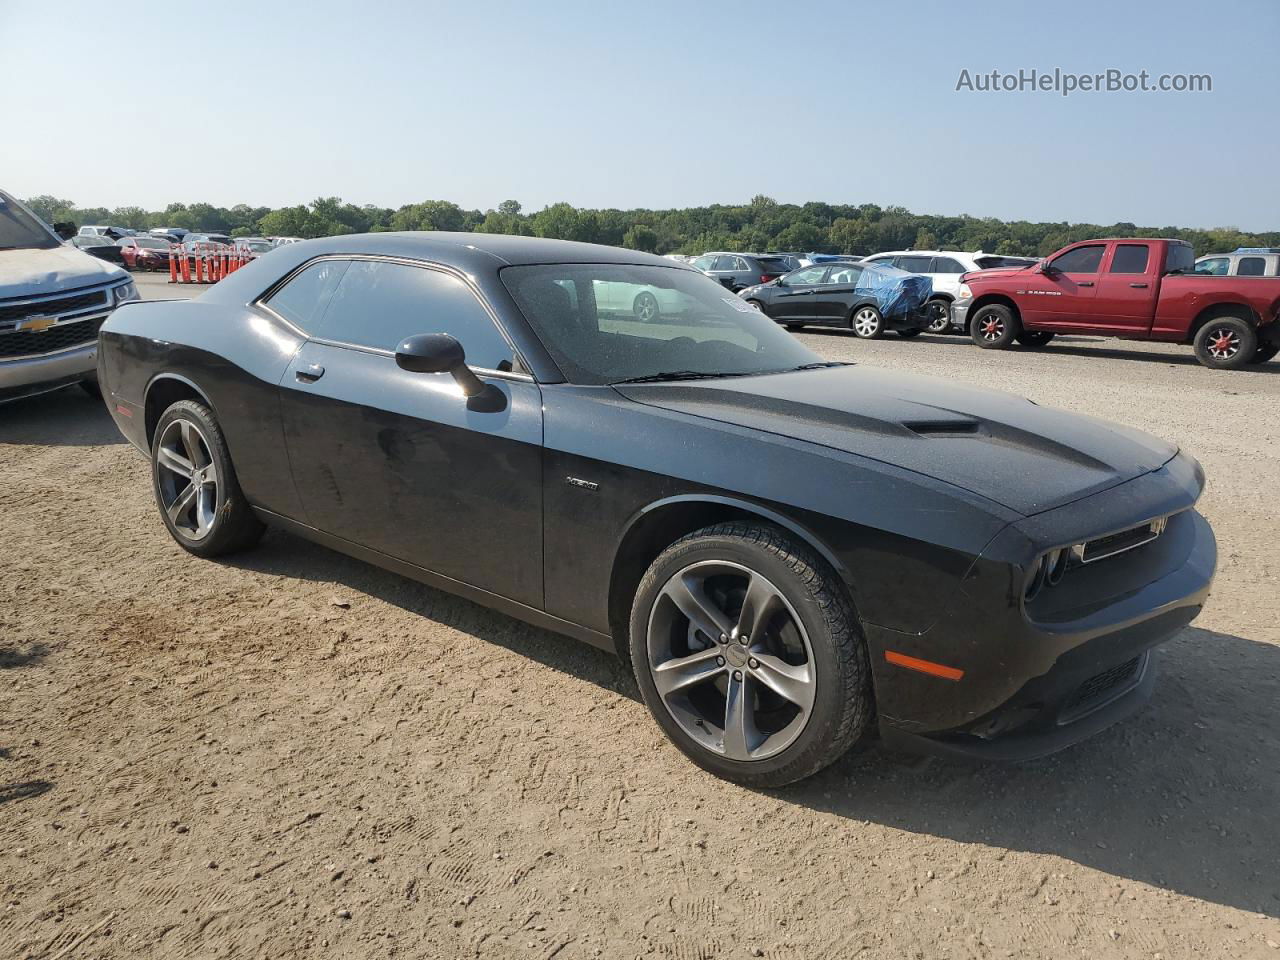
763	224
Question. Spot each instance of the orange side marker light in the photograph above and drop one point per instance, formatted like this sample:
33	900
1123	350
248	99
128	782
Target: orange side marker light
923	666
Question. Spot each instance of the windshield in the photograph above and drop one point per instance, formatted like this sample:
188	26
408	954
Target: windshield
150	243
19	230
257	246
604	323
992	263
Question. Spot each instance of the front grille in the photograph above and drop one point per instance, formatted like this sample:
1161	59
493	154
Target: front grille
28	343
54	306
1102	547
1101	687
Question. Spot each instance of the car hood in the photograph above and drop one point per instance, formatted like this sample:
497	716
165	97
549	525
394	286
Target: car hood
32	273
995	273
1000	446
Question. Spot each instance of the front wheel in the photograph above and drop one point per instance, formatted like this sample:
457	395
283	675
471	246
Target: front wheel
994	327
867	323
195	485
749	655
1226	343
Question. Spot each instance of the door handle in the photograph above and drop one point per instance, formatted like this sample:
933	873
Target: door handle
1085	283
309	374
1137	286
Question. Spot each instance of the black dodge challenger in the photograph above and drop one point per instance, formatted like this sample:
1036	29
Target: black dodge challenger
790	553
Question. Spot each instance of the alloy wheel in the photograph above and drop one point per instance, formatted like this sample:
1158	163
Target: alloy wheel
188	479
646	307
866	322
1223	343
940	316
731	661
991	328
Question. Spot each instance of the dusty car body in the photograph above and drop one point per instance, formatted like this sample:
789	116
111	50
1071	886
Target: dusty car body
789	552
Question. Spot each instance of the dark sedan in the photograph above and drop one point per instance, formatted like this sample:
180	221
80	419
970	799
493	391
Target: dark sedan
865	299
104	248
789	552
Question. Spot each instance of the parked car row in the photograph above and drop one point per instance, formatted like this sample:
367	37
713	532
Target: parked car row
1226	306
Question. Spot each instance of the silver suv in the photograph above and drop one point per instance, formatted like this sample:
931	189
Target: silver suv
1243	263
53	299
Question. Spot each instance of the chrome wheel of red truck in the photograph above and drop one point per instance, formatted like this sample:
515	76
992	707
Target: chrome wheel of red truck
1226	343
994	327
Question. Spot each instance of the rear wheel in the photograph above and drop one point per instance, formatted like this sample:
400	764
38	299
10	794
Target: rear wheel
1034	338
195	484
994	327
1265	352
867	323
1226	343
749	656
939	312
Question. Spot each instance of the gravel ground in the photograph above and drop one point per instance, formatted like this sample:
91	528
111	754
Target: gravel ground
291	753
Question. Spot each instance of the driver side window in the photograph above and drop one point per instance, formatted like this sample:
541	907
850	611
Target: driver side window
1080	260
807	275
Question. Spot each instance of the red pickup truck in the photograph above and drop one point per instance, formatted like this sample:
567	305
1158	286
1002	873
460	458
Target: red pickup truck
1136	289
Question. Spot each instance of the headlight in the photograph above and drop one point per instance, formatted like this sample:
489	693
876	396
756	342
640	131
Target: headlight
126	292
965	292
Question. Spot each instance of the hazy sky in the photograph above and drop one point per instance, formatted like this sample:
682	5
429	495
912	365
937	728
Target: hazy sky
644	104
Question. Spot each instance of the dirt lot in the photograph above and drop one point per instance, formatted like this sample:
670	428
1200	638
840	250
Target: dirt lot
295	754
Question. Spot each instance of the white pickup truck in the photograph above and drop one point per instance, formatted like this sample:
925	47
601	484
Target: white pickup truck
53	299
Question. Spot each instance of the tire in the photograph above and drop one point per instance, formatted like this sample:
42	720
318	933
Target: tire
1265	352
994	327
645	307
811	645
1035	338
940	316
908	334
867	323
1226	343
793	327
217	519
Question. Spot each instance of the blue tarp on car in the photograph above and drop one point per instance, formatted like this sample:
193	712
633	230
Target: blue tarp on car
896	291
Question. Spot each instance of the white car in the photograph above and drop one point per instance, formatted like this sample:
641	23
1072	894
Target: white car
945	268
641	301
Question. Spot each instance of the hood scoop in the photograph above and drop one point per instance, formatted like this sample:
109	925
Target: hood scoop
943	428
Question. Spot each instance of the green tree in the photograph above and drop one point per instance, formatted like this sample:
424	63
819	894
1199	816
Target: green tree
641	237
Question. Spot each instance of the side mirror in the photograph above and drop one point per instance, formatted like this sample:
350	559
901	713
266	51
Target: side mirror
439	353
65	230
1047	268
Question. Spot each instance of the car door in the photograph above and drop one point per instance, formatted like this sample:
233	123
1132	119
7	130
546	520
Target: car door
794	295
1125	299
835	299
402	462
1062	293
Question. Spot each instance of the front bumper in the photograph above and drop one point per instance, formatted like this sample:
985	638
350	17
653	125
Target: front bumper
26	376
960	313
1041	673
